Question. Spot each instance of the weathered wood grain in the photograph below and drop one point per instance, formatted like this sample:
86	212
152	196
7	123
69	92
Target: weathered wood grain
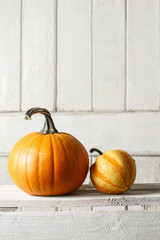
148	169
108	55
8	209
136	133
143	55
84	225
74	55
86	196
88	180
38	54
4	175
9	55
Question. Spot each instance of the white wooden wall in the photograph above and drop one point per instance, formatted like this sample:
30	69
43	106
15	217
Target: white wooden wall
94	64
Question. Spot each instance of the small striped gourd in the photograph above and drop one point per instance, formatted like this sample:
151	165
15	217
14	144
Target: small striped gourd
113	172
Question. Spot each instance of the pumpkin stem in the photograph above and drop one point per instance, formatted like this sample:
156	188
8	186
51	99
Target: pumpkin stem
49	127
96	150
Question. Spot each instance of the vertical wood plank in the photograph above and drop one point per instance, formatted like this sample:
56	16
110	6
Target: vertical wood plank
88	180
38	54
143	55
74	55
4	175
9	55
148	169
108	54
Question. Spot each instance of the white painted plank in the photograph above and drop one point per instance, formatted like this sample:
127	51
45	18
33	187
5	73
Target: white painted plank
81	209
87	180
4	175
74	55
75	209
136	133
64	209
143	55
148	169
15	123
108	55
86	196
30	209
9	55
38	54
109	208
89	225
135	208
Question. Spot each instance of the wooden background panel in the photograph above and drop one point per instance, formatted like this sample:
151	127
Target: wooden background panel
148	169
13	127
88	37
4	175
108	55
143	76
74	55
137	133
38	54
10	55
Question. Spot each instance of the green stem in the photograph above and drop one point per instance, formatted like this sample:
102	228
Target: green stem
49	127
96	150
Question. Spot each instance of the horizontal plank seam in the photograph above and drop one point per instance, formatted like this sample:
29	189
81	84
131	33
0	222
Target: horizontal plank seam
90	112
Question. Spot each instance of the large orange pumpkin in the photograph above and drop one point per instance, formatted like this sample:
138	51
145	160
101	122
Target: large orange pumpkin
48	162
113	172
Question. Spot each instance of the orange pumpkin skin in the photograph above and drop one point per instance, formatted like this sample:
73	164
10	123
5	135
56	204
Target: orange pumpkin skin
48	164
113	172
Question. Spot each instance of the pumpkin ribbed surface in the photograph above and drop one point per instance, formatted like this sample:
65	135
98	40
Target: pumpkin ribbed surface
48	164
113	172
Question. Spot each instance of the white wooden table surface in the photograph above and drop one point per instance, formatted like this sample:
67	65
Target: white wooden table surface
85	214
